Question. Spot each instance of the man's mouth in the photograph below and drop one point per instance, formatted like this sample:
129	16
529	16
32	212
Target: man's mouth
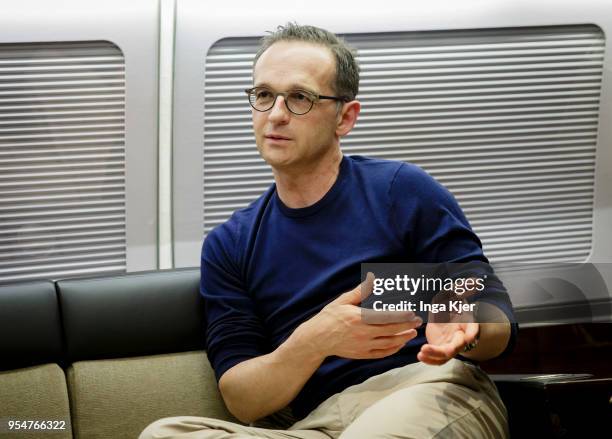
276	137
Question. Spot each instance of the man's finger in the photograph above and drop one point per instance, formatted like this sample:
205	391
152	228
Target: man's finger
432	352
392	341
448	349
356	295
471	331
381	353
395	328
366	287
373	317
438	352
429	360
458	342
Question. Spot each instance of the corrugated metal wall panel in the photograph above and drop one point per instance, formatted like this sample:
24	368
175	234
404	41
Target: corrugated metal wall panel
62	160
505	118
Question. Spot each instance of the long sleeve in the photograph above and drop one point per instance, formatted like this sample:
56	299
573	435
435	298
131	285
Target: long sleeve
435	230
234	332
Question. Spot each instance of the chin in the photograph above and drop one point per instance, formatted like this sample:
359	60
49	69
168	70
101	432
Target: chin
276	159
278	162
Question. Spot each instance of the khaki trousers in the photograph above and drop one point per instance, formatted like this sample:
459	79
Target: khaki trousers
455	400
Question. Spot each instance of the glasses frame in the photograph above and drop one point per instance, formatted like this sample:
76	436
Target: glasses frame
316	98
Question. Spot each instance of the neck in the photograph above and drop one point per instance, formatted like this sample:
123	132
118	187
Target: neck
304	186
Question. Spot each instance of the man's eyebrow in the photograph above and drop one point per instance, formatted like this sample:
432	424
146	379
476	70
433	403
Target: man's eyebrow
291	87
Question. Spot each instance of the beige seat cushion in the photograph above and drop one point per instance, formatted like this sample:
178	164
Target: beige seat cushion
36	393
119	398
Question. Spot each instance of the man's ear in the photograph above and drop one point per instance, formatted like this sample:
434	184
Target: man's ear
347	117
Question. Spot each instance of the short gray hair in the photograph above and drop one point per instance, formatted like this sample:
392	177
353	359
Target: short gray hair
346	83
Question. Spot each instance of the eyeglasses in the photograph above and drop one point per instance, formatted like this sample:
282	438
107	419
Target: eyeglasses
297	101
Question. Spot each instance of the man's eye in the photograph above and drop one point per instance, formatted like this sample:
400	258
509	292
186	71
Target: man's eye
299	96
263	94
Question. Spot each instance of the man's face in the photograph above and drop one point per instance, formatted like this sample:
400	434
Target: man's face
284	139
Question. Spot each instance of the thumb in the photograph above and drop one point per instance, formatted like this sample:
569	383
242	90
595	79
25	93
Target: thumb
472	330
356	295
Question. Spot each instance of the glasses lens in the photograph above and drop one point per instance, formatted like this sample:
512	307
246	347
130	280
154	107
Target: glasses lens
299	102
261	99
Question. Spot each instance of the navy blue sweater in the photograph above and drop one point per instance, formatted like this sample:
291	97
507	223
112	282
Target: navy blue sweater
270	267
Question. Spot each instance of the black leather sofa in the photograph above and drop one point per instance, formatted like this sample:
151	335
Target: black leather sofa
103	357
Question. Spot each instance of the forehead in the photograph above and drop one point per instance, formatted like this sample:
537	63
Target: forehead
287	64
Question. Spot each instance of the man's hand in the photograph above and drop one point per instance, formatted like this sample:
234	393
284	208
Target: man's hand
262	385
448	332
448	335
339	329
446	340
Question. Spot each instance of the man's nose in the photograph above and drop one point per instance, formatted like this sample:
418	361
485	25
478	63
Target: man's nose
279	113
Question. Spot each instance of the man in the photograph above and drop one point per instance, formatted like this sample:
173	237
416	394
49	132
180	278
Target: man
280	277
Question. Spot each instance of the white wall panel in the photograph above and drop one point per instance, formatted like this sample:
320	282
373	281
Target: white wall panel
486	112
62	159
78	137
544	101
